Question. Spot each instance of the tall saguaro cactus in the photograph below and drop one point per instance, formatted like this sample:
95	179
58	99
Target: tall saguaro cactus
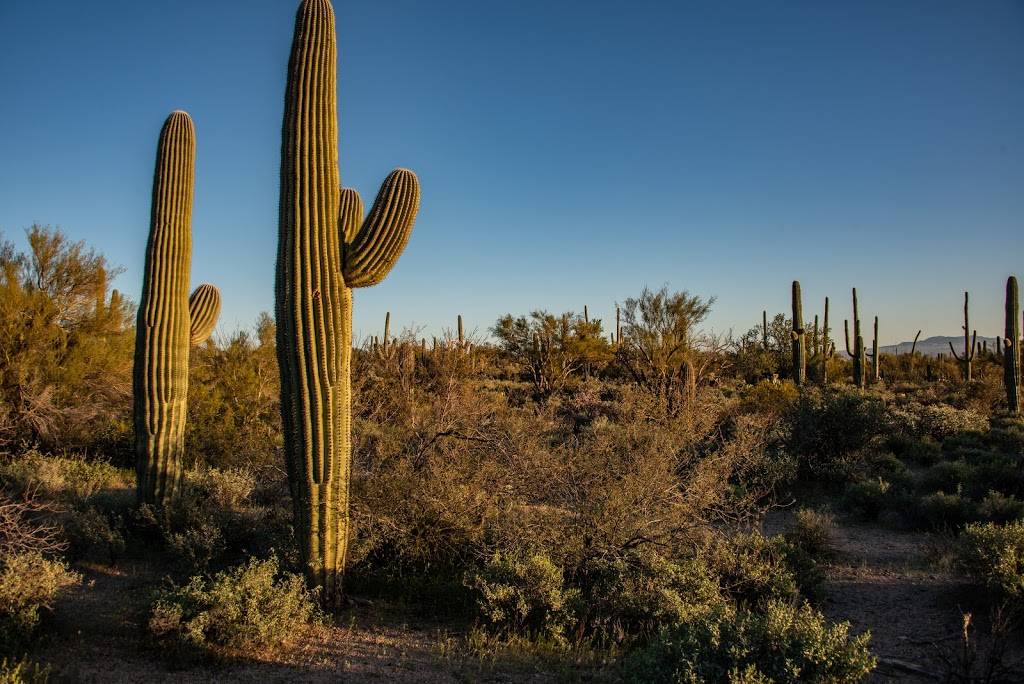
970	345
875	359
858	353
169	321
325	248
799	336
1011	347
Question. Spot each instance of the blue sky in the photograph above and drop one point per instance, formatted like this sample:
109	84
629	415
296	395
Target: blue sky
569	153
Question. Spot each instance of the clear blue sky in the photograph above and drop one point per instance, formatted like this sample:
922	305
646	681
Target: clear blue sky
569	152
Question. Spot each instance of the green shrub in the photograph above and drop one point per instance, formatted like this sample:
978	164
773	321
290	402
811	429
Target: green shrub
994	556
944	511
826	429
523	593
29	584
941	421
1000	508
920	450
776	398
634	594
780	643
868	498
23	671
946	476
754	569
252	605
812	532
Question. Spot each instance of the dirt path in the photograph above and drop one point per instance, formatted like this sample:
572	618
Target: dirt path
98	635
881	580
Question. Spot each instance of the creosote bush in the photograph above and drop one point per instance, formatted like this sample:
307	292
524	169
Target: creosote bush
994	556
251	606
779	643
29	584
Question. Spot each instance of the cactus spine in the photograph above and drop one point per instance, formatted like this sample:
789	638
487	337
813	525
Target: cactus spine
857	353
1011	347
799	336
168	322
970	344
325	248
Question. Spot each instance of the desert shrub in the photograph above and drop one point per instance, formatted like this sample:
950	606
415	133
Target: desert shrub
920	450
69	479
29	584
632	595
812	532
941	421
1000	508
92	529
994	556
826	429
754	569
889	468
776	398
234	417
250	606
23	671
867	498
945	476
940	510
523	593
1007	435
66	340
781	643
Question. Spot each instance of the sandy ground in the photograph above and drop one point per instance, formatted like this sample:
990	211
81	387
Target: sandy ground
886	581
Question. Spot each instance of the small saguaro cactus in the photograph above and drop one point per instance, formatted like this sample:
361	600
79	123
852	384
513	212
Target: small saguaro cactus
858	353
799	336
169	321
825	348
387	330
618	326
875	375
325	248
764	330
1011	347
462	333
970	345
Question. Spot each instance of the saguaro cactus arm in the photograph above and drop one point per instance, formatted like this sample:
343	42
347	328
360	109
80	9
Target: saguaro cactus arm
203	310
371	251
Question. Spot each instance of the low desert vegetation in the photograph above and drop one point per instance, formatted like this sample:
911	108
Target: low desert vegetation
559	489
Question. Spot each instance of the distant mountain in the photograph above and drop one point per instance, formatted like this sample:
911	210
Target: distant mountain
935	345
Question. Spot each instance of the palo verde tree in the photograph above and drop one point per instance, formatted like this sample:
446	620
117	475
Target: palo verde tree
65	342
659	342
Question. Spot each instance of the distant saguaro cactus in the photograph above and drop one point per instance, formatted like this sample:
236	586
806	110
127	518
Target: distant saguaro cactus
875	361
169	321
325	248
858	353
825	348
799	336
1011	347
462	333
764	330
970	345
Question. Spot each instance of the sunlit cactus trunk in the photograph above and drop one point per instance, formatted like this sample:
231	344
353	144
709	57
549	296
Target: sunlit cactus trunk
1011	347
858	353
168	322
325	248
